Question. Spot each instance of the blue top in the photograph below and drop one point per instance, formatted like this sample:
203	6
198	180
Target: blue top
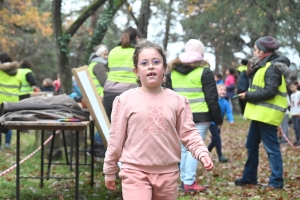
220	82
225	109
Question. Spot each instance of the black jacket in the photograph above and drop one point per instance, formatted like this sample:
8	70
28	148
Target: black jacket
209	89
279	66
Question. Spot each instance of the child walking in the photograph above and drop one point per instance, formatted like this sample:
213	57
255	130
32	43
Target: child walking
145	137
214	129
295	110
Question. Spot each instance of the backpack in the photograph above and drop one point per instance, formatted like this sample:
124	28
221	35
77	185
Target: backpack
243	82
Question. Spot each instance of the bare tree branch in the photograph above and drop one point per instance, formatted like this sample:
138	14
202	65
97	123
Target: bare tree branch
260	6
132	15
85	14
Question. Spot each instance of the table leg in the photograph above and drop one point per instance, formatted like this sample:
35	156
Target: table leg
18	166
65	147
50	155
71	150
92	152
77	165
85	146
42	160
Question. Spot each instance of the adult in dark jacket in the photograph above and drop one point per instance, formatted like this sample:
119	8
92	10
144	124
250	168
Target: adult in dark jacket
98	67
266	106
191	77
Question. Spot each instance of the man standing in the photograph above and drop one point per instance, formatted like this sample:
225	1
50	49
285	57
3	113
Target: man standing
266	106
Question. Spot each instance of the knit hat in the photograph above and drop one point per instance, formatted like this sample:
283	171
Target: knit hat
193	51
101	49
267	44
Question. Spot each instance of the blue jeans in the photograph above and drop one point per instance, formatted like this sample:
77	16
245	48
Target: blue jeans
188	164
266	133
296	123
7	137
215	139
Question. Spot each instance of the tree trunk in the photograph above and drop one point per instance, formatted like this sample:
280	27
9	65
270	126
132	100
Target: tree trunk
144	17
168	23
63	39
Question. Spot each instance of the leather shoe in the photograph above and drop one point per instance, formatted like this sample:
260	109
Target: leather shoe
239	182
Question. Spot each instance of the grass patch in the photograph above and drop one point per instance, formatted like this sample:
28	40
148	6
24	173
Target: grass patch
219	181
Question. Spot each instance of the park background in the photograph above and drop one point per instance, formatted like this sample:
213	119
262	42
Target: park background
60	35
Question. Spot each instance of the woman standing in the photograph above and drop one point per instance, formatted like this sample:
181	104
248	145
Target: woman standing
121	76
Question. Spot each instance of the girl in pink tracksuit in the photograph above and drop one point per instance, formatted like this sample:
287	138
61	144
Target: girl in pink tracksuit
147	126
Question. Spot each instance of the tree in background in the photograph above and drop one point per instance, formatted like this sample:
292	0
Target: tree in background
221	25
63	38
102	26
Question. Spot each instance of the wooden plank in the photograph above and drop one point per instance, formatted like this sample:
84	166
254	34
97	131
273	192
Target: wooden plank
93	101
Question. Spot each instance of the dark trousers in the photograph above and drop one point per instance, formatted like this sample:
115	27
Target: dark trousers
242	103
108	100
215	139
266	133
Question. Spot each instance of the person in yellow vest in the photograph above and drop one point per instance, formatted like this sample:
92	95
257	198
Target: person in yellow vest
191	78
28	80
266	106
121	76
10	83
98	67
242	83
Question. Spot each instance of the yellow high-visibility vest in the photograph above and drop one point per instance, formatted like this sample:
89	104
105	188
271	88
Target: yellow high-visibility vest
190	86
120	63
270	111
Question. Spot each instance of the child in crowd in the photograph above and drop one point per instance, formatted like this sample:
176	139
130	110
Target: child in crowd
47	85
214	129
145	137
218	79
295	110
230	85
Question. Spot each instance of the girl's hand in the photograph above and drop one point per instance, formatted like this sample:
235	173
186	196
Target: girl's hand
111	185
207	163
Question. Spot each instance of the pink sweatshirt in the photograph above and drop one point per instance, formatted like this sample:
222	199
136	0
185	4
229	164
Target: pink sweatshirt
143	133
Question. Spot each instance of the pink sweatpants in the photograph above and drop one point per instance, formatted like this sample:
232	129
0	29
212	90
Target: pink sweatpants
138	185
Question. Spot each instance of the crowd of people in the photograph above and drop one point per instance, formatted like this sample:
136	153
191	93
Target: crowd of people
161	140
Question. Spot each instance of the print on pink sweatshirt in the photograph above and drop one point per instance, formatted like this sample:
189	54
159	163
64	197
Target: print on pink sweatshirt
155	115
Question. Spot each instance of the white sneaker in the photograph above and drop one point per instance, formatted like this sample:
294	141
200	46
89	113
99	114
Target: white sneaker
7	146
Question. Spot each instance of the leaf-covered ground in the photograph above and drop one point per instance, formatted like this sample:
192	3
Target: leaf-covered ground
219	181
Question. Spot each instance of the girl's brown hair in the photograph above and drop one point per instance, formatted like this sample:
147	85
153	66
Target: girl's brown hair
128	35
146	44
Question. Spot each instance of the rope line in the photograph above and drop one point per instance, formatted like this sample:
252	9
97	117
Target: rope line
287	139
26	158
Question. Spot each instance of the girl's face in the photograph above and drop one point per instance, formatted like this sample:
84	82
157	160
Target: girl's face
221	91
104	54
293	88
150	69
